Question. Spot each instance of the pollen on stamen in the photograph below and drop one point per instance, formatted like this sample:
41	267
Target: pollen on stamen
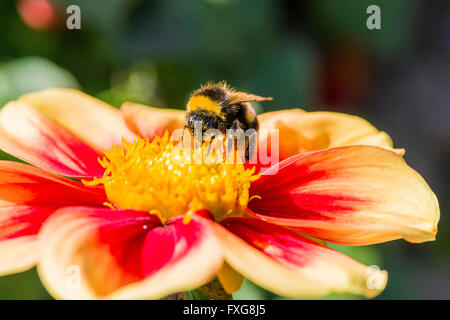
162	178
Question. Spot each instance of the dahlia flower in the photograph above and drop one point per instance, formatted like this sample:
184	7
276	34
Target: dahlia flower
101	195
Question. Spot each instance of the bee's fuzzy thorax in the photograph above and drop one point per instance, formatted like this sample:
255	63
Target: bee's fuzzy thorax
210	97
205	103
219	91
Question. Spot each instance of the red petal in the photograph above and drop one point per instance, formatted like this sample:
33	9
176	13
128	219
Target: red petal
288	264
126	254
351	195
30	136
28	196
93	121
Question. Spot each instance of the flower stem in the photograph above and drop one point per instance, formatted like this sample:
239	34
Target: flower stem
215	291
178	296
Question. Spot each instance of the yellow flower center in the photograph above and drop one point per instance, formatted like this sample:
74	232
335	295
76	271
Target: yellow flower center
165	180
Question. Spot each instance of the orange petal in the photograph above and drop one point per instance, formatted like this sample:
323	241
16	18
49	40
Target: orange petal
148	122
95	122
353	195
22	184
301	131
124	254
34	138
290	265
28	196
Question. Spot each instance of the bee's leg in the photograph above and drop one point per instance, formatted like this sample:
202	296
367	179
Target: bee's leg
230	143
250	150
236	126
209	147
182	137
220	140
222	156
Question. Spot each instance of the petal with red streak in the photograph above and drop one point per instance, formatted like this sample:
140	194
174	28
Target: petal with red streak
352	195
93	121
125	254
27	134
28	196
288	264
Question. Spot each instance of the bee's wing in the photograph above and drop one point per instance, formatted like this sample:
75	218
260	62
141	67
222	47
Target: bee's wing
237	97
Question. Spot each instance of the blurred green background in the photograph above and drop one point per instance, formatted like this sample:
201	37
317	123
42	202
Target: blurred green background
317	55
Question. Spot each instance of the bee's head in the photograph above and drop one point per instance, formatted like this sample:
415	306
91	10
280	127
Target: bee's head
202	118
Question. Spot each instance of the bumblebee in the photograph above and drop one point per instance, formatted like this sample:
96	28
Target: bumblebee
217	106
